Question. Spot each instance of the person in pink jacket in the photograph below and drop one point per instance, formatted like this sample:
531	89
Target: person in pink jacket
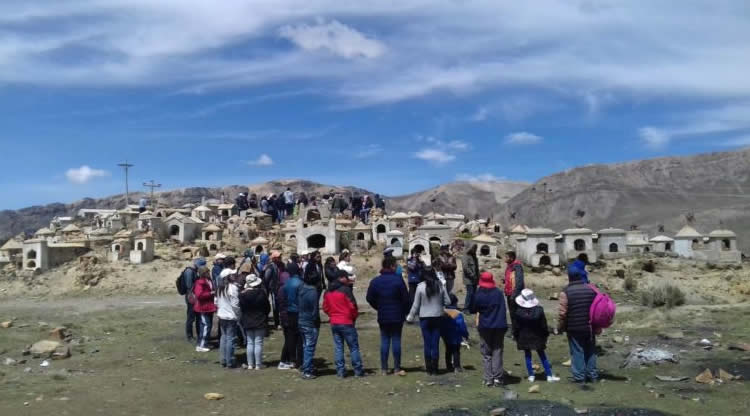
204	307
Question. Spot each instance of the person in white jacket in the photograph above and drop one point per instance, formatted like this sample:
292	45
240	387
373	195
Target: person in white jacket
228	304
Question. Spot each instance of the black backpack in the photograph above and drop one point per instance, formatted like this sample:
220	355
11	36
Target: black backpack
182	288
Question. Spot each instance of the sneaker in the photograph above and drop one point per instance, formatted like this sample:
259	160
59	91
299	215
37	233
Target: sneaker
497	383
283	366
532	378
488	384
308	376
258	367
459	370
202	349
553	378
400	372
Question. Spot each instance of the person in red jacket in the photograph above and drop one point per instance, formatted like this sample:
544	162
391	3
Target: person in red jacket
341	307
204	306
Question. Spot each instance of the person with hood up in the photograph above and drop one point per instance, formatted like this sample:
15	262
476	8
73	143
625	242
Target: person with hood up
448	267
189	276
255	308
489	303
574	318
228	303
341	307
308	320
429	302
471	275
291	353
579	266
513	284
453	330
531	332
388	295
204	293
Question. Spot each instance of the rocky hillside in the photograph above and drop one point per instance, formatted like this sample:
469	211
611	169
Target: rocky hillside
468	198
713	187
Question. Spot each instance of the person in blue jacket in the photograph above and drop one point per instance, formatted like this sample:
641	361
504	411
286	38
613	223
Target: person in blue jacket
388	295
453	331
414	266
291	353
579	267
489	303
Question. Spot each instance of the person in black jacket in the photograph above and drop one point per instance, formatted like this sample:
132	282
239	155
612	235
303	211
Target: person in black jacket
255	308
331	270
531	332
575	305
314	272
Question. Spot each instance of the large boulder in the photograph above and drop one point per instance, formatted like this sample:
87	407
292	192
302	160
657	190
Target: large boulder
50	349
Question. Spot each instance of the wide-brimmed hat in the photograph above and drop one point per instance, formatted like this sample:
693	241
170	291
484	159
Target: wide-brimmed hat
219	256
252	281
227	272
486	280
527	299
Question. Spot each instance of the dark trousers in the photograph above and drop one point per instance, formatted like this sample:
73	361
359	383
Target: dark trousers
449	285
412	292
275	309
452	356
191	322
292	350
512	307
431	336
390	336
470	290
289	209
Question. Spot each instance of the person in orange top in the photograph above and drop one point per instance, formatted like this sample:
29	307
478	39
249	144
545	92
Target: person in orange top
341	307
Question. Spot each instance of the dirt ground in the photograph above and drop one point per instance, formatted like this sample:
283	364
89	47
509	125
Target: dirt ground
129	355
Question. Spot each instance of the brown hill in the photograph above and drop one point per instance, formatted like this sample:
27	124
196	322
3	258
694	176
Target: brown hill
713	187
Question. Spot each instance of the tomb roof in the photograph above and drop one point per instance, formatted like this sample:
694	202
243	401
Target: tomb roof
577	231
212	228
661	239
688	232
722	233
611	231
485	239
540	231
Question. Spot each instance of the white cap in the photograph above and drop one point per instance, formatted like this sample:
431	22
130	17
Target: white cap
227	272
219	256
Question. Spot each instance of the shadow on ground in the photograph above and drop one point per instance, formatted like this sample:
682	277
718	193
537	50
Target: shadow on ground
538	408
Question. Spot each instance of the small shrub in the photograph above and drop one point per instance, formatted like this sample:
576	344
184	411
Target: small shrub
630	284
667	295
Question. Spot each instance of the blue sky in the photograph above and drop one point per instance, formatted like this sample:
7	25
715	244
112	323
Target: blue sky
391	96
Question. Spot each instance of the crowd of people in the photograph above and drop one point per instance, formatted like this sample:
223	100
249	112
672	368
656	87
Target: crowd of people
263	292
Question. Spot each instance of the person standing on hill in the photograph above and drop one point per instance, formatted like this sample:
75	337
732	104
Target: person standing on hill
289	201
429	302
388	295
531	332
489	303
513	283
574	318
471	275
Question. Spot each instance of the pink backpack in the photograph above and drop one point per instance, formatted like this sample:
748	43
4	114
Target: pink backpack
602	312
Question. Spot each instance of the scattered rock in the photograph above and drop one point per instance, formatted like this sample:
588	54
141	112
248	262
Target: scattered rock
705	377
9	362
554	296
726	376
534	389
705	342
213	396
620	273
677	334
566	401
44	364
671	378
743	347
581	410
618	339
50	349
500	411
566	363
7	324
27	370
556	272
59	333
510	395
63	352
640	357
658	395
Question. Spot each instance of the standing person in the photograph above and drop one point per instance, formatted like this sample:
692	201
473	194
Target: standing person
367	206
264	205
289	201
448	267
379	202
308	320
253	201
142	203
388	295
228	268
314	272
414	266
330	269
271	277
579	265
489	303
189	276
204	307
513	284
574	318
531	332
291	353
345	262
388	253
241	202
255	308
341	306
228	303
356	206
280	205
453	330
303	199
429	301
471	275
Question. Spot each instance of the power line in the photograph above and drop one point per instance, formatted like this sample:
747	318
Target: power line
127	166
151	185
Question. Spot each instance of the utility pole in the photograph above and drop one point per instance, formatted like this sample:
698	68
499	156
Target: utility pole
127	166
152	185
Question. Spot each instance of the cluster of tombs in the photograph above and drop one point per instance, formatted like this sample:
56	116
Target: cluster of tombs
541	246
131	236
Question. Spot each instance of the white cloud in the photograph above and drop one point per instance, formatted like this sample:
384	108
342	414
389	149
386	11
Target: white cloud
653	137
522	138
263	161
334	37
84	174
369	151
486	177
434	155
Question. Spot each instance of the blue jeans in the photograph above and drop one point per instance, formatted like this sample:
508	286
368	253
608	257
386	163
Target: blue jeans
254	339
431	336
390	334
280	215
542	357
206	323
348	334
582	356
309	341
470	290
226	342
